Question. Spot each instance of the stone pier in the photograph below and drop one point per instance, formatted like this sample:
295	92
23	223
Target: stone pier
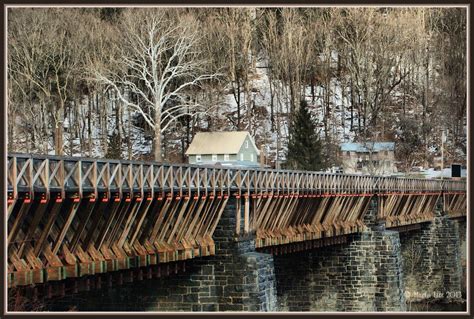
364	274
236	278
433	259
246	278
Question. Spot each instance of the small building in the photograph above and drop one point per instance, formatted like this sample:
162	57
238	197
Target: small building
374	158
223	148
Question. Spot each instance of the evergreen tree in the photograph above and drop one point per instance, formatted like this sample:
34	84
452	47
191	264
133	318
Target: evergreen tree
114	150
304	147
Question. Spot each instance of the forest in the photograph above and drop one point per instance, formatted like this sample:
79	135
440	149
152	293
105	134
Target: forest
138	83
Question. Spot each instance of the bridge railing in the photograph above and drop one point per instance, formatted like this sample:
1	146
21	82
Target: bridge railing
35	173
411	185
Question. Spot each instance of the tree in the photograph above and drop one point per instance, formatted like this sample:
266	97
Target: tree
374	58
29	71
45	54
288	45
409	142
114	149
157	64
237	32
304	147
449	54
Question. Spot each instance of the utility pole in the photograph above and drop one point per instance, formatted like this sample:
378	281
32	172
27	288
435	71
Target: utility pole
443	139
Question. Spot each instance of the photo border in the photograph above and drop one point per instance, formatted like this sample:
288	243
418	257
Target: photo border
214	3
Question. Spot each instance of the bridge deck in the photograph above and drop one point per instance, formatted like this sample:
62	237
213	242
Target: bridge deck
71	217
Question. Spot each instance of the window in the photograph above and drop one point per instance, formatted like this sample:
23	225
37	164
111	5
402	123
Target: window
241	156
251	157
226	157
214	157
348	153
246	144
198	158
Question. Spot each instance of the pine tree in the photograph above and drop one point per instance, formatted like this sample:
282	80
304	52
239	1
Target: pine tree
114	150
304	147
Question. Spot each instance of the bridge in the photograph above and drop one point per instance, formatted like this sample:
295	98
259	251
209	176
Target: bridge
72	218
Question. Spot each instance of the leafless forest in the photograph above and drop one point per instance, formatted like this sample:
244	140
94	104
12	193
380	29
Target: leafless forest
137	83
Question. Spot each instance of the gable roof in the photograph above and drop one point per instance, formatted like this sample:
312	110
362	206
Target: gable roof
367	147
236	163
218	143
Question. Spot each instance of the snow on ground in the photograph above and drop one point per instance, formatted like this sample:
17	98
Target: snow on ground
431	173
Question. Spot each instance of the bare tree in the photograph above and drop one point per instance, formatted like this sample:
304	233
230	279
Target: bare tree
374	58
101	39
28	72
47	57
289	46
157	64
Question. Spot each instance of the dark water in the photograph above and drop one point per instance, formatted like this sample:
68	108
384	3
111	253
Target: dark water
436	306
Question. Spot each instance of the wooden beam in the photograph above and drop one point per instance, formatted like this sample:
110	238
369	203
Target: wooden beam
62	234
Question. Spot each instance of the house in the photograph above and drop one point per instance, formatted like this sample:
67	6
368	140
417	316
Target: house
223	148
374	158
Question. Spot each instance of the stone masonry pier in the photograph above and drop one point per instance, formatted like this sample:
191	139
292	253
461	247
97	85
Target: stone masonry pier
433	259
236	278
364	274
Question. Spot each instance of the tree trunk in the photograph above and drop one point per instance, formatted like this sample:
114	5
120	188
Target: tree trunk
272	119
89	125
352	105
238	104
188	129
359	113
129	135
248	102
183	150
71	128
118	125
157	139
11	130
327	108
45	137
103	124
59	129
292	93
343	107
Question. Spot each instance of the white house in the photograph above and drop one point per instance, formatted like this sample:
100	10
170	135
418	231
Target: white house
375	158
225	148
